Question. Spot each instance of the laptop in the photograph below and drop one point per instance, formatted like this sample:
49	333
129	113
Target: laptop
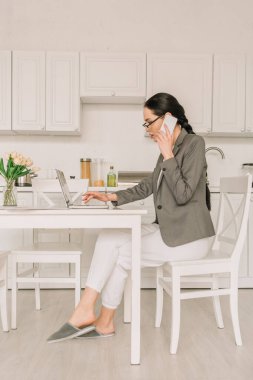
67	196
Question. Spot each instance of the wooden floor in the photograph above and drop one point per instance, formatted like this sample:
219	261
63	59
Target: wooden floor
205	352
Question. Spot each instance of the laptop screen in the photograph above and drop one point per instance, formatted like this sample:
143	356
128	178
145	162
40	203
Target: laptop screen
64	187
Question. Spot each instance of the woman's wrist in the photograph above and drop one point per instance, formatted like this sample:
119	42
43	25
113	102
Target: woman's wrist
112	197
168	156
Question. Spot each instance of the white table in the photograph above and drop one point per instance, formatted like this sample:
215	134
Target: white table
94	218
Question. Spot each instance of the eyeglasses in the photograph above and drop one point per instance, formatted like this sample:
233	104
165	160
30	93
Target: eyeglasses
148	123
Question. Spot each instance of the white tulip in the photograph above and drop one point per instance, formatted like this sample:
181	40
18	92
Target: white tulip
29	162
17	161
13	155
23	161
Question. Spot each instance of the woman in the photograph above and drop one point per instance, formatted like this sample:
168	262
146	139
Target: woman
182	229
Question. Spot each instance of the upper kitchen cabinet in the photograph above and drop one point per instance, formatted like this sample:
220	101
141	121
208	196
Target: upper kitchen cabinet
28	104
113	78
46	95
5	91
188	77
62	91
249	94
229	93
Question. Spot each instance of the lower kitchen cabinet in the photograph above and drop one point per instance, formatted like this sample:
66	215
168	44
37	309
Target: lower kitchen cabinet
250	242
87	238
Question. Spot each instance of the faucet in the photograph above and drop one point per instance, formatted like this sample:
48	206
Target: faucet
221	153
216	148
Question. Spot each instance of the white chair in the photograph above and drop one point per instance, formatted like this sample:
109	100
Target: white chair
3	290
46	252
222	258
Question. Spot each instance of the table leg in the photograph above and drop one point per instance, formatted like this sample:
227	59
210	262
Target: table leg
128	300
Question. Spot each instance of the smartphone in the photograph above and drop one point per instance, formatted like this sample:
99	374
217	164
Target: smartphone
170	122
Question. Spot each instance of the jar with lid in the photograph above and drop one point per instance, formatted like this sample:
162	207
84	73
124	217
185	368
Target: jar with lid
97	174
85	169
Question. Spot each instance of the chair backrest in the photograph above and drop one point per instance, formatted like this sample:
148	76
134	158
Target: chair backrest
233	214
45	187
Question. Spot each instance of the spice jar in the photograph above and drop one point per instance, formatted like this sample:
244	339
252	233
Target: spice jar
85	169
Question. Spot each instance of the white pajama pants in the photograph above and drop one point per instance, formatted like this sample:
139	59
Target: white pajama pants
112	259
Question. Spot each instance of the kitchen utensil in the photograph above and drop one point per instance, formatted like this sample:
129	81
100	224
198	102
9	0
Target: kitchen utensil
25	180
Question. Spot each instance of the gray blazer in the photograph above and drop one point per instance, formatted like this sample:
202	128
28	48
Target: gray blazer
180	195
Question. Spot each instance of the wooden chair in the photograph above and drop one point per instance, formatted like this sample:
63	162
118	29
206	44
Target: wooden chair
46	252
223	257
3	290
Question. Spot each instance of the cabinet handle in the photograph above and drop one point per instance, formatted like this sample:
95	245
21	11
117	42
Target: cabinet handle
43	128
209	130
113	93
243	130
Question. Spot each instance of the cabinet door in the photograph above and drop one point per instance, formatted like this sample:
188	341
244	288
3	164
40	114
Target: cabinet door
5	90
110	77
250	238
62	91
28	91
229	93
188	77
249	94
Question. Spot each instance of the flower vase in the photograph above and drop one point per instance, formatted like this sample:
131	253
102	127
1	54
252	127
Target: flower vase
10	194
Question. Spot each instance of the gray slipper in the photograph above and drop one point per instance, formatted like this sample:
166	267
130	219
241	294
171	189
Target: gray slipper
68	331
93	334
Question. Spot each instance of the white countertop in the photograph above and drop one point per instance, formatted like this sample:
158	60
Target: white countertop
213	189
64	211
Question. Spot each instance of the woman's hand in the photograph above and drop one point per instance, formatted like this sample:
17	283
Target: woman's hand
164	142
103	197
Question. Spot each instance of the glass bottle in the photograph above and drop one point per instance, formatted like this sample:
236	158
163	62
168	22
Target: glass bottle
111	178
85	169
97	177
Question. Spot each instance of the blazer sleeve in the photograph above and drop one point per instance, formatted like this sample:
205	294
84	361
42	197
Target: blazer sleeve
183	180
140	191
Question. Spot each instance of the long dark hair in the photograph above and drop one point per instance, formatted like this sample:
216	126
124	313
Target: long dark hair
160	104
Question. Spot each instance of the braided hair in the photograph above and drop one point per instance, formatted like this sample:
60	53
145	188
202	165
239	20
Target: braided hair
162	103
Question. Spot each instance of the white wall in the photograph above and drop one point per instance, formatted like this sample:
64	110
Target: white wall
114	132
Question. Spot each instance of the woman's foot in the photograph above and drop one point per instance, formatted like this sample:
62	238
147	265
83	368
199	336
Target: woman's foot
104	328
81	317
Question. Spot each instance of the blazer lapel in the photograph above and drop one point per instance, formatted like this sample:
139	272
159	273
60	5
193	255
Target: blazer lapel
179	141
176	148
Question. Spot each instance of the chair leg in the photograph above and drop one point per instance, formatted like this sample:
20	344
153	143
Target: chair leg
216	304
77	282
175	320
234	308
3	298
37	287
14	288
127	300
159	297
